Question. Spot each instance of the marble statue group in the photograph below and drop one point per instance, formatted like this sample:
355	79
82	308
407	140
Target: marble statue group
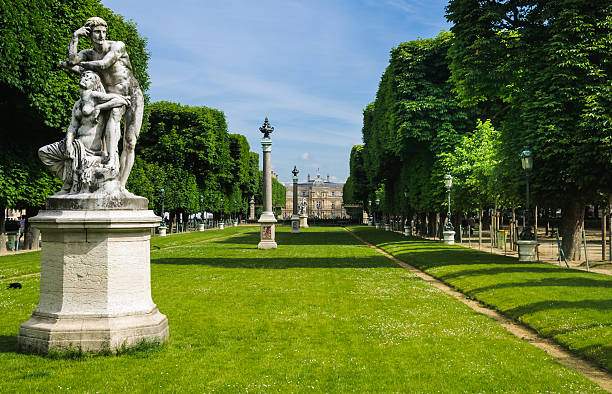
87	160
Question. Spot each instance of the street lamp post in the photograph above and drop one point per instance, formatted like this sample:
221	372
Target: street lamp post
407	228
449	230
370	217
221	222
235	217
527	164
376	219
201	224
527	243
162	227
295	218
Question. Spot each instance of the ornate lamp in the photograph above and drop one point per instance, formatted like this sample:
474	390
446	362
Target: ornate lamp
448	183
527	164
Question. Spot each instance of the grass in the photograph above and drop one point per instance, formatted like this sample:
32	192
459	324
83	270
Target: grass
571	306
322	312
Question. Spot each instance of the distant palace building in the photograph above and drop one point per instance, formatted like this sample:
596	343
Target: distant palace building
324	198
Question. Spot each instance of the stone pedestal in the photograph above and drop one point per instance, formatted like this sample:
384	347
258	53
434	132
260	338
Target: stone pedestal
303	221
162	231
377	226
295	224
252	209
527	250
387	227
95	281
407	231
449	237
267	231
235	223
200	226
221	225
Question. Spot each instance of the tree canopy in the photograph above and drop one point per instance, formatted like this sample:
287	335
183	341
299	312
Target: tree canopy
36	95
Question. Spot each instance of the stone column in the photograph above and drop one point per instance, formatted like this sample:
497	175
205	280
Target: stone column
267	219
295	218
95	280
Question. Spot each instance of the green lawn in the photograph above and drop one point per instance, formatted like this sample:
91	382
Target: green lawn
573	307
322	312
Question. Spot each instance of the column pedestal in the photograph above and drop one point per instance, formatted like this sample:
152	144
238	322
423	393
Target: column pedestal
527	251
295	224
449	237
303	221
267	231
95	281
200	226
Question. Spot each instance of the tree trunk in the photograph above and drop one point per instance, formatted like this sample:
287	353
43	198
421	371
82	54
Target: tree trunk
535	222
514	244
604	228
2	228
479	226
610	224
572	220
32	234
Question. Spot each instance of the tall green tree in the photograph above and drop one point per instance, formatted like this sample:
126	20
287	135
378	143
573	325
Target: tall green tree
548	62
194	139
415	117
36	96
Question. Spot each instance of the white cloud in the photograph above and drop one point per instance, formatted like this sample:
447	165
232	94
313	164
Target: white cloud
305	156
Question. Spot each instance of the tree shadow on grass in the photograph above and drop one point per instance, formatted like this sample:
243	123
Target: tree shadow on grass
549	282
8	343
535	307
601	354
303	238
281	262
519	268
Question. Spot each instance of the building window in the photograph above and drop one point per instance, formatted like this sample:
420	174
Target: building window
333	205
333	194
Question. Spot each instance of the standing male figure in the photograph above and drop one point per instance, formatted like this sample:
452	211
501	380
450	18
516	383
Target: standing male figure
111	61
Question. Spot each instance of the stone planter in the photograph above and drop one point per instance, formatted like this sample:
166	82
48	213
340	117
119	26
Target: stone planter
449	237
527	250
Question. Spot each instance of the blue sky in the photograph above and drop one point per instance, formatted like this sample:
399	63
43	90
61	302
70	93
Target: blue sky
309	66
